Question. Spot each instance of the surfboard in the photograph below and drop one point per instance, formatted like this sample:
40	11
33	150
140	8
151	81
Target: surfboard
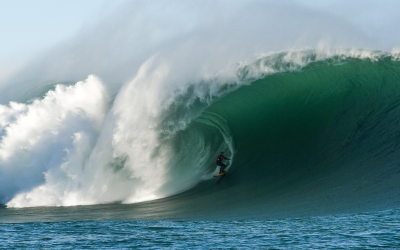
218	175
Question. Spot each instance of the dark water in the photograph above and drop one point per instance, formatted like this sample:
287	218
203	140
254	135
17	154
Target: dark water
373	230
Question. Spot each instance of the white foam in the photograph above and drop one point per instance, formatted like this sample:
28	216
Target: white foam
45	144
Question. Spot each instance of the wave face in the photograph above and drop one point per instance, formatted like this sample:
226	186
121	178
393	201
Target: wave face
318	139
326	136
302	127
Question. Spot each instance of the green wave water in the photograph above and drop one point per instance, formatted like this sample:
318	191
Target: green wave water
311	138
321	139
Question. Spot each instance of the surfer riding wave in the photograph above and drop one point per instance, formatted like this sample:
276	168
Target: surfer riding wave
221	157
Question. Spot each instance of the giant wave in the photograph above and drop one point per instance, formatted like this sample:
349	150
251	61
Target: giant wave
306	130
125	120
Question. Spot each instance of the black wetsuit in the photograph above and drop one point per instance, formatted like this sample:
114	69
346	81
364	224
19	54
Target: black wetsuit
219	163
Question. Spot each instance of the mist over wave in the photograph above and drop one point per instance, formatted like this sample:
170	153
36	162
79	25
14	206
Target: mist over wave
200	37
141	127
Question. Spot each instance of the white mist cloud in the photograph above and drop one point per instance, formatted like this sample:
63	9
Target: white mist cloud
214	32
378	20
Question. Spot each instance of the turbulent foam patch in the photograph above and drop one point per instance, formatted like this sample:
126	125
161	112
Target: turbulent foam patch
44	144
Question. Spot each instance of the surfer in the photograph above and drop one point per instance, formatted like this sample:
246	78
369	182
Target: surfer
221	157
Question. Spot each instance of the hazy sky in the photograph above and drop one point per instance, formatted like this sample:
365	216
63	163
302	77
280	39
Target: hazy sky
375	18
28	27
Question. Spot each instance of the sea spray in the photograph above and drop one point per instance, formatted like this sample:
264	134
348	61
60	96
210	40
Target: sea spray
45	144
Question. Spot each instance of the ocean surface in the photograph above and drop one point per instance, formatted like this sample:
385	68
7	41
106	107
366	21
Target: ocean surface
372	230
109	140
